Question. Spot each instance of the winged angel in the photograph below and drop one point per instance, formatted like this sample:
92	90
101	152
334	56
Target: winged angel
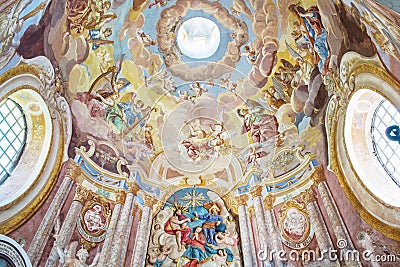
11	24
70	257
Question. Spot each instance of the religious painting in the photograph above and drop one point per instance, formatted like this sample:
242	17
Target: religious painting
93	221
295	225
133	75
194	228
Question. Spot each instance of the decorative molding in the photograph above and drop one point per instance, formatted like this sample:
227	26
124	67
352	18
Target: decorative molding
269	201
242	199
82	194
308	196
73	170
256	191
120	196
318	175
149	201
133	187
353	69
11	251
39	72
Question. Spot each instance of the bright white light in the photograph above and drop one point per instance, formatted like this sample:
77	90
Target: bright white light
198	38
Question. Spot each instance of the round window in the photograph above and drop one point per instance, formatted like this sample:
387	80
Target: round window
385	133
12	136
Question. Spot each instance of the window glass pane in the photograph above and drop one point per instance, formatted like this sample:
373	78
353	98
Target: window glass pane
12	136
386	138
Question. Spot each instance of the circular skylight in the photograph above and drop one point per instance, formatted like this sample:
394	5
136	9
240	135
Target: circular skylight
198	38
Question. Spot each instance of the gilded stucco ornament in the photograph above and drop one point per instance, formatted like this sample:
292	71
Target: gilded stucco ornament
242	199
357	73
295	226
269	201
36	75
308	196
82	194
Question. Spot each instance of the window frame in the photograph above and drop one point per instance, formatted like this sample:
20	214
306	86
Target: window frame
18	152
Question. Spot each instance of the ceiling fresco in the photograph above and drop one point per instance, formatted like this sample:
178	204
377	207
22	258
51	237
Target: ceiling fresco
197	86
392	4
198	123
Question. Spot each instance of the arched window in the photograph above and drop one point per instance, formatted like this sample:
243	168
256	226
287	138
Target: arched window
385	135
363	137
371	153
12	136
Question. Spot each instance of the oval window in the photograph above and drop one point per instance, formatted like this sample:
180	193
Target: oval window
12	136
385	133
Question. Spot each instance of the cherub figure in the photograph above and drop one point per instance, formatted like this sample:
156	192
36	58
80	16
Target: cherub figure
148	139
77	259
146	39
250	53
229	85
235	11
87	17
220	258
99	37
158	3
98	14
158	260
272	98
183	96
198	89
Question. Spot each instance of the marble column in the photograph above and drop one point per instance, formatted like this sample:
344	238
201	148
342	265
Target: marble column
249	258
274	241
117	259
143	232
110	235
69	224
262	231
344	242
46	227
127	236
321	232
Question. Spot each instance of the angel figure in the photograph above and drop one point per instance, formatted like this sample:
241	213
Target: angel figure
183	96
286	72
217	137
99	37
197	89
258	122
220	258
72	258
250	53
316	34
158	3
303	73
98	14
158	260
235	11
210	82
196	139
91	15
254	155
168	85
10	25
103	93
274	98
228	84
146	39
